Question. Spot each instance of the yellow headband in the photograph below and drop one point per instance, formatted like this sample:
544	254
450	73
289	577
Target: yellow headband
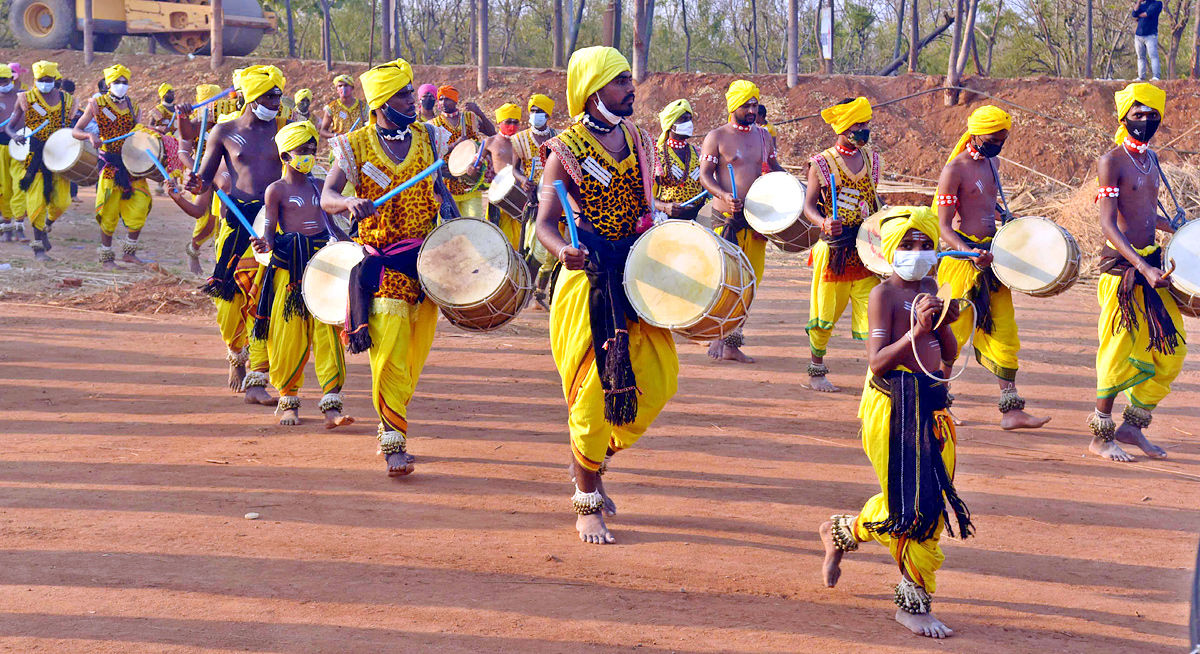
739	93
237	78
46	68
302	94
343	79
163	89
984	120
672	112
257	80
295	135
541	102
508	111
385	80
206	91
1140	93
898	220
111	74
842	116
589	70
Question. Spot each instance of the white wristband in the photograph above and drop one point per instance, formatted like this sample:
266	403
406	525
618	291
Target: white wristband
560	251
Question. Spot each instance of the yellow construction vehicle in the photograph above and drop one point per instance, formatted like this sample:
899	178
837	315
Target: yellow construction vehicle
182	27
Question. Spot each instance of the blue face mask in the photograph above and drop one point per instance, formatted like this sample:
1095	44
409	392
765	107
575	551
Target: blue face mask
401	121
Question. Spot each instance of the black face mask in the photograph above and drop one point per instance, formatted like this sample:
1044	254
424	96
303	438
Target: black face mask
989	150
1142	130
427	102
169	100
401	121
860	136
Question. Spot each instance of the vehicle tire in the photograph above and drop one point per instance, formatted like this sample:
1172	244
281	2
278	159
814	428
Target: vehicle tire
43	24
100	42
239	41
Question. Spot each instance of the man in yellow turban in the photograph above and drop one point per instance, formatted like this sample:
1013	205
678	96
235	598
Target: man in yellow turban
904	418
851	169
303	102
247	140
343	113
617	371
12	201
294	230
160	117
389	317
751	152
498	155
677	169
526	145
1141	332
967	204
464	123
198	207
40	194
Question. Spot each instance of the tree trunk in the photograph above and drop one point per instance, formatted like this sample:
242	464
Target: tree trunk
975	56
371	42
914	36
385	33
968	35
1087	66
217	35
793	42
754	31
639	40
899	61
899	31
610	33
829	62
326	39
1195	68
556	29
995	33
575	28
952	76
89	36
483	46
474	5
291	28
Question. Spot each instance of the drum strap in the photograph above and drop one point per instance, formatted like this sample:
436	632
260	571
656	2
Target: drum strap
919	486
222	284
291	252
365	279
609	312
1163	334
37	164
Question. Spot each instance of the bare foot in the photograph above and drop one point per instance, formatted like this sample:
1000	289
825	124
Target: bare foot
21	237
593	530
334	419
957	421
398	465
40	255
236	375
194	265
259	395
45	239
923	624
1131	435
1020	420
540	298
132	258
822	384
720	351
290	417
833	555
7	237
610	507
110	265
1109	450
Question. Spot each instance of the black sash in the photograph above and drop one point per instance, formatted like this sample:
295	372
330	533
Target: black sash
981	293
222	283
364	283
608	311
1164	336
840	247
291	253
121	176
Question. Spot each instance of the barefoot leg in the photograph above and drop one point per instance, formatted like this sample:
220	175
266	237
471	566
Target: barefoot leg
1132	435
589	504
1012	409
255	388
832	569
915	611
129	249
818	376
398	465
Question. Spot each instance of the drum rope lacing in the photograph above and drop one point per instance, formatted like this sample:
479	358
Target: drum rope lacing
912	341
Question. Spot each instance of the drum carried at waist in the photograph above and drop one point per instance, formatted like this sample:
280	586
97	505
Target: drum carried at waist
870	245
20	152
1035	256
326	282
461	158
140	164
508	195
78	161
683	277
467	267
1184	250
774	207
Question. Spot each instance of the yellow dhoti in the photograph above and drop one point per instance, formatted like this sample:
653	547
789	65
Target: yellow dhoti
996	351
290	341
655	367
16	201
471	205
9	188
828	300
233	316
755	247
40	211
111	206
401	337
512	230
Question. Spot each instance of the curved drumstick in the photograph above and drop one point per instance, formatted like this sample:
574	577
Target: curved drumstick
1171	269
572	228
228	202
410	183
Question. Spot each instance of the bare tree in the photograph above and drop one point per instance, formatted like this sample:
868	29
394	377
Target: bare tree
1087	72
899	30
793	40
914	37
1179	14
1195	67
482	22
575	24
556	27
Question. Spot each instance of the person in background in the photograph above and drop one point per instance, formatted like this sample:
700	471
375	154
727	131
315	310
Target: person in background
1145	37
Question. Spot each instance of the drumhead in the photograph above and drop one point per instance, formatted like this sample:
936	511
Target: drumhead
61	151
502	183
1184	248
20	152
774	202
870	245
260	226
673	273
461	157
463	262
326	282
1030	253
133	153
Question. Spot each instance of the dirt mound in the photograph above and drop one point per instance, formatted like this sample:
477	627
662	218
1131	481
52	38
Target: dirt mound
158	294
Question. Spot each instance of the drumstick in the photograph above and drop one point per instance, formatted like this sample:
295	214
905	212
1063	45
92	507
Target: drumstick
212	99
39	127
482	149
698	196
572	229
410	183
356	122
732	182
1171	269
228	202
5	121
158	164
956	253
119	138
200	147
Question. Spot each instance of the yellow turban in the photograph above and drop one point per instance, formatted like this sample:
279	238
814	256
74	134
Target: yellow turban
1140	93
43	68
343	79
898	220
111	74
987	119
163	89
385	80
672	112
739	93
257	80
508	111
302	94
588	71
237	78
295	135
6	72
541	102
206	91
841	116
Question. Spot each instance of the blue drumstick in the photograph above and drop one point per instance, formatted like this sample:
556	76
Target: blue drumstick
157	164
356	122
572	229
699	196
5	121
228	202
833	194
39	127
118	138
732	183
410	183
212	99
956	253
200	146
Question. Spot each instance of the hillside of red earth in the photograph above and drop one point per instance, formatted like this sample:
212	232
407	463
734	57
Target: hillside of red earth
1061	125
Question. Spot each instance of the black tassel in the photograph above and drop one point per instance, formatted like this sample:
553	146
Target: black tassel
220	289
359	341
293	302
620	401
262	328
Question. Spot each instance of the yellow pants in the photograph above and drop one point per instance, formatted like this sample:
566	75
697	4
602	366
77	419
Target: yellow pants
828	300
401	337
13	201
205	229
471	205
1125	361
512	230
655	366
111	207
920	560
39	211
755	247
996	351
290	341
234	316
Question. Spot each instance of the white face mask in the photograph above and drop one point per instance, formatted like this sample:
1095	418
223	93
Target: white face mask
45	87
912	266
684	129
118	90
262	113
608	116
6	88
538	119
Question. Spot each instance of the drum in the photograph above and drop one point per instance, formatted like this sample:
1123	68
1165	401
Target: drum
1184	249
75	160
1035	256
326	282
774	207
461	158
469	270
20	152
683	277
870	246
507	195
139	163
260	227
